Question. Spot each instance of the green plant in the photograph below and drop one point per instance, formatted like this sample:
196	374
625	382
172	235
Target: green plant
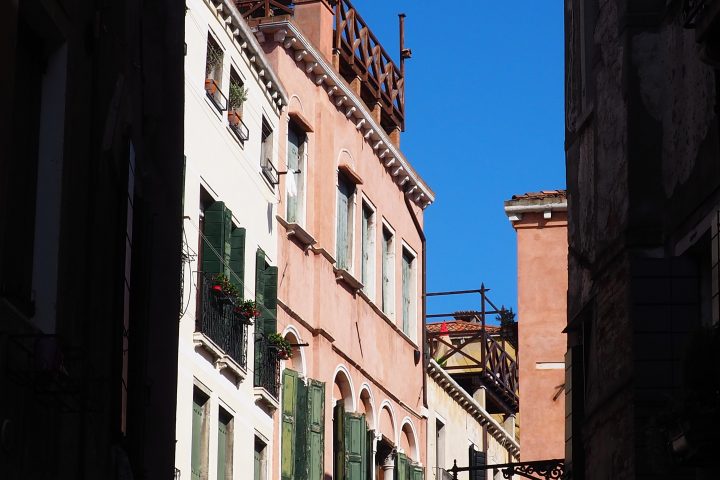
227	288
214	59
281	345
248	308
238	95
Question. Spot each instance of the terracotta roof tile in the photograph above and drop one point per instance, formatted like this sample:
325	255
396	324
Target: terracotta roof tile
459	326
541	194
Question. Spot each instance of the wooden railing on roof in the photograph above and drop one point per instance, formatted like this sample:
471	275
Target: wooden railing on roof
360	56
264	8
498	369
363	56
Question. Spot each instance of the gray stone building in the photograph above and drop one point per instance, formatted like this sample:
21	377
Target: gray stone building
643	178
91	173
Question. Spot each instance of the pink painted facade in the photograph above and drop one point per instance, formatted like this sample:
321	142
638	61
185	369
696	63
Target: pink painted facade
540	220
359	352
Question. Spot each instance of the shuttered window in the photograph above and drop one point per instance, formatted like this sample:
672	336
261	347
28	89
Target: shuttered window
199	454
388	274
368	250
355	447
288	423
225	446
408	265
346	190
476	459
217	226
402	467
295	162
417	473
303	428
237	259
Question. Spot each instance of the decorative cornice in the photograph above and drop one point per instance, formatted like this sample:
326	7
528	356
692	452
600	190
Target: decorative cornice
346	101
457	393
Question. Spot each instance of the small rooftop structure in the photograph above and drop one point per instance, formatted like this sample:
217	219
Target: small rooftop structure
544	201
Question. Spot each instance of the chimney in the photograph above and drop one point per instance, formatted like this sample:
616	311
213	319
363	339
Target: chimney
315	19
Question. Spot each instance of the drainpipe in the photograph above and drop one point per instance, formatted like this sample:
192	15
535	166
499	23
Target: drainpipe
420	232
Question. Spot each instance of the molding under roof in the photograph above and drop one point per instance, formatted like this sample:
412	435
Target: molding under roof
314	63
226	11
457	393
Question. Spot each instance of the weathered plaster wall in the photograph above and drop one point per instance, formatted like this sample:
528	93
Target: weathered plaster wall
542	303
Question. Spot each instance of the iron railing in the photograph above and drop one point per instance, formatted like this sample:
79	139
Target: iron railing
212	89
535	470
240	130
220	322
264	8
267	365
270	172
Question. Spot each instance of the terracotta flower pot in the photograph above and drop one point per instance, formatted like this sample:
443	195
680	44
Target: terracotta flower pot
234	117
210	86
217	288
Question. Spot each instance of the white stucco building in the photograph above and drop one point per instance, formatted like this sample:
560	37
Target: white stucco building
460	429
226	401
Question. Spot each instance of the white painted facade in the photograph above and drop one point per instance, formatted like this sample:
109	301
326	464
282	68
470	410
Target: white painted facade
230	171
463	420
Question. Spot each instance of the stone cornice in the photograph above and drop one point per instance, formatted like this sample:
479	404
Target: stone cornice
457	393
324	75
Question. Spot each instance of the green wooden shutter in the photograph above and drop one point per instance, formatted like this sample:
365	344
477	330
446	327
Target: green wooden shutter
287	431
293	162
402	470
339	441
196	457
260	265
315	429
222	449
369	454
417	472
217	238
476	459
355	447
301	425
237	259
406	265
270	281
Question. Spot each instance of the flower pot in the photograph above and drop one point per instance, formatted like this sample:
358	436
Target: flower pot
210	86
217	288
283	355
234	117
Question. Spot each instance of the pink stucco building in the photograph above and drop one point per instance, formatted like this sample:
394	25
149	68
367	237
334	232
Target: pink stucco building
350	253
540	220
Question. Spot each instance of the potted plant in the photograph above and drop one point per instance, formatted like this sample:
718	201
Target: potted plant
247	309
221	285
282	346
238	96
212	65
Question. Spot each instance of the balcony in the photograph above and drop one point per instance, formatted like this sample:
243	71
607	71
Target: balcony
220	330
267	372
238	127
358	55
212	90
270	172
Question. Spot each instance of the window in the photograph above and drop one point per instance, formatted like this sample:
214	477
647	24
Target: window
388	272
237	98
408	292
266	153
213	74
439	444
225	445
260	460
295	186
368	250
200	426
345	199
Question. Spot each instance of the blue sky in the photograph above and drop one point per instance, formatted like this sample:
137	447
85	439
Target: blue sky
484	120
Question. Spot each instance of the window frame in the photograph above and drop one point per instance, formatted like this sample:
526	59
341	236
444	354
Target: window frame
368	277
391	272
412	291
301	197
350	233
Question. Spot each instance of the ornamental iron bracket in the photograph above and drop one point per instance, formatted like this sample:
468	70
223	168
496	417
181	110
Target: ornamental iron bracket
536	470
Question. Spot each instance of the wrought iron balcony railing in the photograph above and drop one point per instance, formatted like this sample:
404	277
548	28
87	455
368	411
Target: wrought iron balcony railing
212	89
240	130
221	323
267	365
